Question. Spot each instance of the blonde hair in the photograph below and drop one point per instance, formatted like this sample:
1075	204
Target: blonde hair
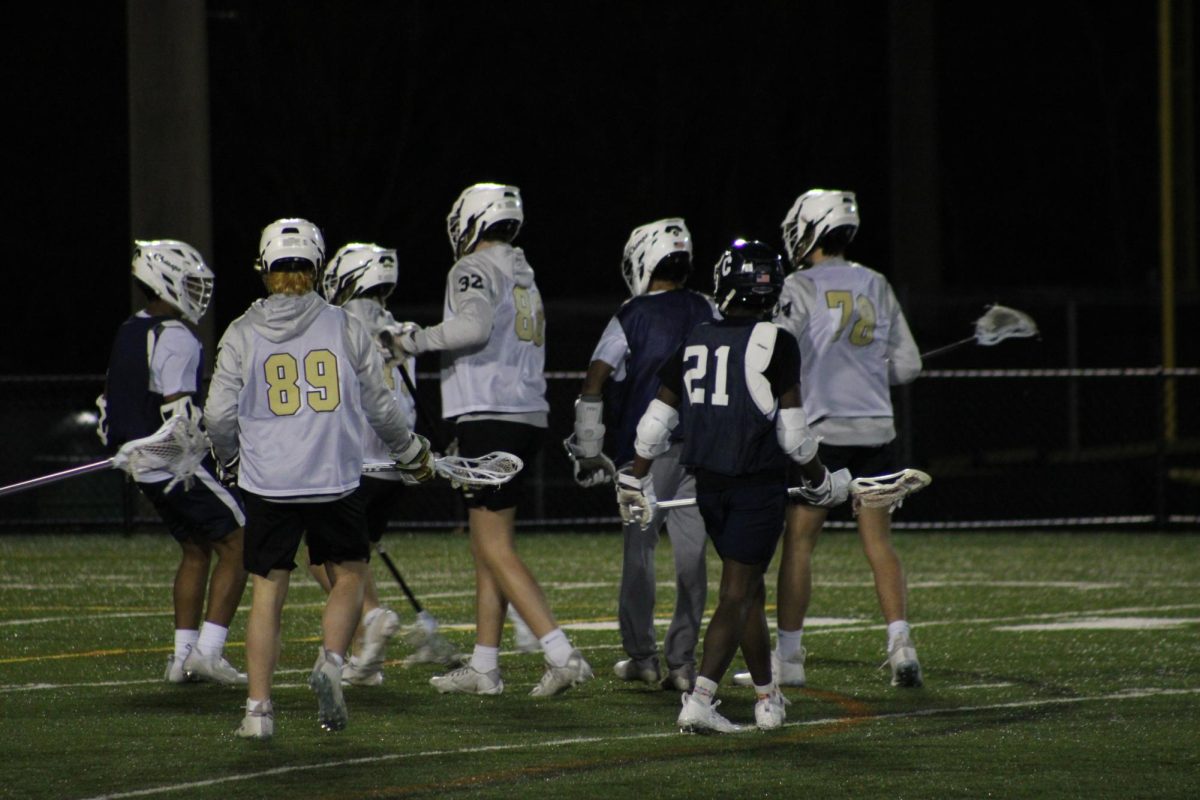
296	283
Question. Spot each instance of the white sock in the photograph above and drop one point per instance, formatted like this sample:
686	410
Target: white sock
185	640
370	616
212	639
333	658
557	647
485	659
764	691
258	706
896	630
705	690
788	644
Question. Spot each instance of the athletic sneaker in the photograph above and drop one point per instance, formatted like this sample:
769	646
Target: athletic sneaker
906	670
629	670
523	636
375	638
785	673
679	679
326	681
355	673
259	722
556	680
468	680
698	716
212	667
770	711
175	672
431	648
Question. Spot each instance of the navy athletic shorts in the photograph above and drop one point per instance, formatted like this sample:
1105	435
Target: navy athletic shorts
334	530
480	437
207	512
745	522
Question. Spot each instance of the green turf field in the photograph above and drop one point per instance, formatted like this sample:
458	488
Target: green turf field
1056	665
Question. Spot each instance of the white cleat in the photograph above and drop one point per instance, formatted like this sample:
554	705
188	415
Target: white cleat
906	670
679	679
214	668
431	648
523	636
259	722
771	711
698	716
628	670
556	680
358	674
175	672
785	673
468	680
375	638
326	682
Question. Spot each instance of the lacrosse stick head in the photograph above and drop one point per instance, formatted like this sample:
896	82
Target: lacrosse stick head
887	491
178	447
492	469
1001	322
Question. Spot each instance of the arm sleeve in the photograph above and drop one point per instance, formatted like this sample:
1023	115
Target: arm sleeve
783	370
612	348
221	406
471	295
670	374
175	361
904	360
378	402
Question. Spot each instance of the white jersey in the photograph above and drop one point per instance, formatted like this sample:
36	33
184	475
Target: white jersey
294	378
376	318
174	361
854	344
504	373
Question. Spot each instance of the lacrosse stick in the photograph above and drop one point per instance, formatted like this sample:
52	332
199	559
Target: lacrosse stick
877	492
999	323
492	469
177	447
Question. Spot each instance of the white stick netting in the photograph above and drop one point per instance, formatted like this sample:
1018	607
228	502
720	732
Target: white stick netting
1001	322
887	491
177	447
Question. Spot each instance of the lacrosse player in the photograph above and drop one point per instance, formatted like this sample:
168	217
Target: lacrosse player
154	374
359	278
294	378
732	388
492	338
646	331
854	344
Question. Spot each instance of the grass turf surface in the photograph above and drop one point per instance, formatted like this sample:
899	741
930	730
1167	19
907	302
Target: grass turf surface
1056	665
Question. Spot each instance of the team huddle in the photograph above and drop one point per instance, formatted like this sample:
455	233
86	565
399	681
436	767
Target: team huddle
777	380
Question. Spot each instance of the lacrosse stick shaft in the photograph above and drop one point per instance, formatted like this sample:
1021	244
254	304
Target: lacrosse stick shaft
937	351
33	483
412	599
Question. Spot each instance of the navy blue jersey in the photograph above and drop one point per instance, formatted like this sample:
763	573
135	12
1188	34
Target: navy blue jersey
133	409
655	325
729	375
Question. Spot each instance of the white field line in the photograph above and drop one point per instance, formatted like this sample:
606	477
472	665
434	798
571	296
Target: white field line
1129	694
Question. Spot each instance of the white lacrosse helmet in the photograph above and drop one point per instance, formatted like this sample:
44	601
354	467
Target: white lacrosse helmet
814	214
176	272
290	239
478	208
648	246
357	268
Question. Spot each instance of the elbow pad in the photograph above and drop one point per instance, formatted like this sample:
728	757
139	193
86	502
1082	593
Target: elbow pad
654	429
791	429
182	408
589	427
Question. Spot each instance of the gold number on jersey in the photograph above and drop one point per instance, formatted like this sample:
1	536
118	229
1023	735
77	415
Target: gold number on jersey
847	306
530	319
283	382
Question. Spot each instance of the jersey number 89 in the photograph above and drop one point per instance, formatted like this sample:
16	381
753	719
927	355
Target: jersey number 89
283	382
530	319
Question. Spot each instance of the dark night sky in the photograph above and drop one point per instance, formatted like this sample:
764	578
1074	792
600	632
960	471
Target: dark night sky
369	119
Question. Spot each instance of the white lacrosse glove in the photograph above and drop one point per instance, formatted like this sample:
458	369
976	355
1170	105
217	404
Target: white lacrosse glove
832	491
227	471
635	499
590	471
406	340
415	461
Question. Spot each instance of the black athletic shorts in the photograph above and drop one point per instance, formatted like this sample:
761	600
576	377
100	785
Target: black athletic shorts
207	512
480	437
334	530
381	500
863	461
745	522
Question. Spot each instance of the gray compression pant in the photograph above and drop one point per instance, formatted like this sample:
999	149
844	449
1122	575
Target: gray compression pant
689	541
